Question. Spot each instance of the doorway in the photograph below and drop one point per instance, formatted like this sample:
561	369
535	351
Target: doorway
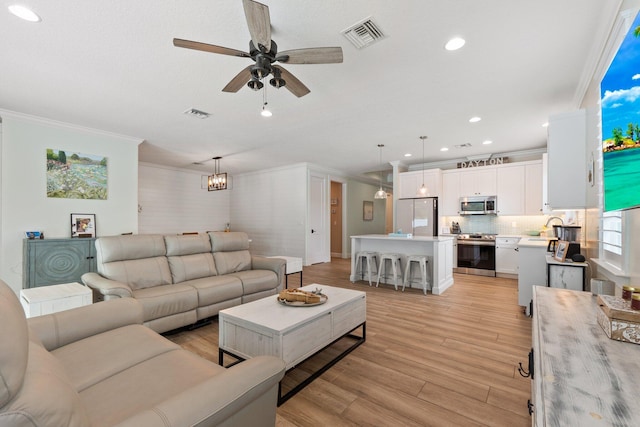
336	215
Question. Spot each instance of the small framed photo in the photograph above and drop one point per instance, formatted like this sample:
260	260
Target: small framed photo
561	251
32	234
367	210
83	225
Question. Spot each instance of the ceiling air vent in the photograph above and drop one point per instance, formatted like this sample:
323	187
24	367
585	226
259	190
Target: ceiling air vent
197	113
466	145
364	33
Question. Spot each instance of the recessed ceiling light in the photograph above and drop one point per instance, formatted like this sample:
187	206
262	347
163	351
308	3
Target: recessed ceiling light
444	149
24	12
474	119
544	125
455	43
487	142
408	155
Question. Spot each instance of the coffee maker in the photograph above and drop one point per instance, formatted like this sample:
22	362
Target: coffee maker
567	233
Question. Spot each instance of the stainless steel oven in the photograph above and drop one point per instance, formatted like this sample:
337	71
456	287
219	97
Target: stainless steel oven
476	254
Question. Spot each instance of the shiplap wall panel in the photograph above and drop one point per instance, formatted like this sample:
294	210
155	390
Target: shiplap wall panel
172	201
271	207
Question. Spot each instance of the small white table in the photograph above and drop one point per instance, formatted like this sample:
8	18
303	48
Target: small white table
267	327
51	299
293	266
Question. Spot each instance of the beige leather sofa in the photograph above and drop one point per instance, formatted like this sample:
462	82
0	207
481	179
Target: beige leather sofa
183	279
97	366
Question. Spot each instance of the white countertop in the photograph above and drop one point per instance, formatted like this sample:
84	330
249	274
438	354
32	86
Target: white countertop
534	242
408	239
570	263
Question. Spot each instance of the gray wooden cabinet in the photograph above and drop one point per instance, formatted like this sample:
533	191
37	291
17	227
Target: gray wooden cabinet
52	261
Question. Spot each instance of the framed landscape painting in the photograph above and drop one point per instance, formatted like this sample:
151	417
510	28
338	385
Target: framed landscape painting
72	175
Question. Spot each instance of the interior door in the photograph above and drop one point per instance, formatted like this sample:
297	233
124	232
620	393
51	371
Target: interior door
318	234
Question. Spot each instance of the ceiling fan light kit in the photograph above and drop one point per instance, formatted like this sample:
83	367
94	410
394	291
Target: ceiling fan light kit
264	52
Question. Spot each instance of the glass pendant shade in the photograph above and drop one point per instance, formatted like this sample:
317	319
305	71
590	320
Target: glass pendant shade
423	190
380	194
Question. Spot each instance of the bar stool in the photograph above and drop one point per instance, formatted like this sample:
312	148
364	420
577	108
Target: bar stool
422	260
370	257
396	266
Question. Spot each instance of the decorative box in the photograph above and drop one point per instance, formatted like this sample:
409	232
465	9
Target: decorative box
618	320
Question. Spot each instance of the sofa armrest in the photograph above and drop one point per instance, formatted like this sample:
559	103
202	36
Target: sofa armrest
108	288
277	265
64	327
243	395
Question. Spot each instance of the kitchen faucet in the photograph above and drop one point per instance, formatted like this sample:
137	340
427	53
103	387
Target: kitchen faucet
552	218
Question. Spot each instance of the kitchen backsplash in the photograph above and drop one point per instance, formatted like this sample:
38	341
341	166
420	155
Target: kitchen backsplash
509	225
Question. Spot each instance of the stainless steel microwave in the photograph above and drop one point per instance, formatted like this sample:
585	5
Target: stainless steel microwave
478	205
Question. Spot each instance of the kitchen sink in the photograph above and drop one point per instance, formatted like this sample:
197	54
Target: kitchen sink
537	239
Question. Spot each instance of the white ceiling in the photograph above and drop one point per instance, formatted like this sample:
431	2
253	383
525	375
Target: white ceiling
111	65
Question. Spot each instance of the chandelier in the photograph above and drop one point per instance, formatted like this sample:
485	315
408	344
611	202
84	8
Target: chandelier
217	181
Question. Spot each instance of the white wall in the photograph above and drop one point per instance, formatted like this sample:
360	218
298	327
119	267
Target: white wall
358	192
271	206
25	205
172	201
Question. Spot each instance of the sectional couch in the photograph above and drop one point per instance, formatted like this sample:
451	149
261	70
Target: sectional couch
183	279
98	366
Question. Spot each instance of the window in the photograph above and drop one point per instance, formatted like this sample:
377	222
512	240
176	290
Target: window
612	238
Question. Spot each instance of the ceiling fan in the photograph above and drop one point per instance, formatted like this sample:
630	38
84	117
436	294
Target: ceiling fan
264	53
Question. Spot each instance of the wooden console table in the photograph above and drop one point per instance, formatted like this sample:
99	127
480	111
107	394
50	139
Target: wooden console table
580	377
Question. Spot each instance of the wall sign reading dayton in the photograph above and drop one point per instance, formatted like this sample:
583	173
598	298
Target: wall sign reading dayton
483	162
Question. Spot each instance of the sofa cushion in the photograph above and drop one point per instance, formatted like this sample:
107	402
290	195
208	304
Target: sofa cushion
165	300
189	267
47	397
228	242
187	244
139	273
231	262
120	248
257	280
91	360
14	336
145	385
215	289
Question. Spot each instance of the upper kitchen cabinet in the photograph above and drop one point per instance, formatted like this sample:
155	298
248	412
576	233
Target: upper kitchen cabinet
480	182
410	182
519	188
533	194
449	203
510	183
566	160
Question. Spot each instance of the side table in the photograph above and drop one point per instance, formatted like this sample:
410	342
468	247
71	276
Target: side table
54	298
294	265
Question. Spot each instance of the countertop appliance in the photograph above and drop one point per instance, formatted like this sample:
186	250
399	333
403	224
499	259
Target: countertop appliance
478	205
418	216
476	254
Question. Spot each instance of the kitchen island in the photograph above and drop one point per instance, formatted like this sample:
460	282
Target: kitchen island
439	252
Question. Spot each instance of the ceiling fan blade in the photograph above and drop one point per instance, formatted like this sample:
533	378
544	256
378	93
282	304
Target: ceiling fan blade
239	80
314	55
259	23
294	85
209	48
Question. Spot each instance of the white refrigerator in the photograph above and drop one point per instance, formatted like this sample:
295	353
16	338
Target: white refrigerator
417	216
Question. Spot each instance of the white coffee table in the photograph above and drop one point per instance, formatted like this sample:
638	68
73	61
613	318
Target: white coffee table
266	327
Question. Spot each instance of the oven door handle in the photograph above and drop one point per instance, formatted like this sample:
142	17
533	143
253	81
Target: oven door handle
476	242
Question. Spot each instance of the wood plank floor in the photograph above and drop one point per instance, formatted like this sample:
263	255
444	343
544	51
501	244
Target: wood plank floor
447	360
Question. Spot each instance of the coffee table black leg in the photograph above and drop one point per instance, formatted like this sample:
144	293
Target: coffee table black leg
221	354
307	381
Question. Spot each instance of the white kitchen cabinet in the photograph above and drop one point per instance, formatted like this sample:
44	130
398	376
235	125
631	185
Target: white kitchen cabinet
449	203
507	256
410	182
567	164
533	194
510	188
532	268
478	182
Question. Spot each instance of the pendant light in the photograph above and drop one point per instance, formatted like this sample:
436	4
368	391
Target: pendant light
423	191
217	181
380	194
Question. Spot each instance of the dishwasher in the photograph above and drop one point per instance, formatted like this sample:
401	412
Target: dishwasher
507	257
